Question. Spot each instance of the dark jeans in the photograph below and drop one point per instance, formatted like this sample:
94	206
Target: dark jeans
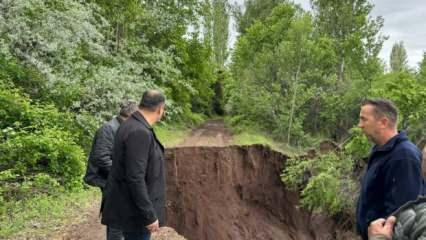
114	234
111	233
136	236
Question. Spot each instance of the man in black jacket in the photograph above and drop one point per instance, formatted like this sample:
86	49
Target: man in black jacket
135	192
100	158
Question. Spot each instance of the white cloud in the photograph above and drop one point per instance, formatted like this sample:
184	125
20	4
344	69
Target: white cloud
404	21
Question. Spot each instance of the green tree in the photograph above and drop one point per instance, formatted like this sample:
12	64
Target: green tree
329	188
356	42
398	58
409	96
294	55
220	31
276	69
123	16
421	74
254	10
355	34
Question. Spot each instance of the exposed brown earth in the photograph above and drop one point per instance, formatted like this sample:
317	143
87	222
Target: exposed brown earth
236	193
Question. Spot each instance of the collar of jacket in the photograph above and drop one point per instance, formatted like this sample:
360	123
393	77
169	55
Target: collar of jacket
120	120
401	136
141	119
138	116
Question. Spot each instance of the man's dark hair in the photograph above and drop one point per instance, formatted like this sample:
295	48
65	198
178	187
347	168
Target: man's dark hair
383	108
152	99
127	108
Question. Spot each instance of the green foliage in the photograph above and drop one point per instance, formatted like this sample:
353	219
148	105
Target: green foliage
39	153
50	151
254	10
409	95
107	51
301	75
18	112
398	58
421	75
244	134
325	182
25	77
276	75
358	146
220	16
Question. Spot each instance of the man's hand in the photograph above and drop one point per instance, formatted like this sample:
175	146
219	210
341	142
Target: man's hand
382	227
153	227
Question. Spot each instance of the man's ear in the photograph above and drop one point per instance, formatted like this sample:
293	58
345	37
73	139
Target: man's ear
384	122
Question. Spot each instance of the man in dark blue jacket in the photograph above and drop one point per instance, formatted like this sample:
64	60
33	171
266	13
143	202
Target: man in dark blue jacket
394	174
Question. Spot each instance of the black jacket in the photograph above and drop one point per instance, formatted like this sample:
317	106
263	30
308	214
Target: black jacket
100	158
135	191
393	177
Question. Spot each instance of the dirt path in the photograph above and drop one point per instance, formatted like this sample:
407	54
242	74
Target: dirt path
211	133
88	227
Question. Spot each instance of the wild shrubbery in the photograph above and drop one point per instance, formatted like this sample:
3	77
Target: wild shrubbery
325	182
328	182
39	150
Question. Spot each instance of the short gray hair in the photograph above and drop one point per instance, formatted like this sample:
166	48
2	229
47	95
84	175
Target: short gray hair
127	108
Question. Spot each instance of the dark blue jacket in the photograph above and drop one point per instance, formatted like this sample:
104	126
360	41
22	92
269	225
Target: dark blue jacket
393	177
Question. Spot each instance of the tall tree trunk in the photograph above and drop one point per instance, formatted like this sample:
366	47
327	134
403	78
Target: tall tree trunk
117	37
293	103
341	70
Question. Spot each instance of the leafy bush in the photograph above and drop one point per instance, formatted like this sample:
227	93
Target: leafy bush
409	95
325	182
49	151
358	146
39	153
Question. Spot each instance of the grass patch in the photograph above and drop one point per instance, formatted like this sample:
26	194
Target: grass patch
44	215
172	135
249	136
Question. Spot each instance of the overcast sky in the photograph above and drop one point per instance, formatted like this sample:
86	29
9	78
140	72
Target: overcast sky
404	21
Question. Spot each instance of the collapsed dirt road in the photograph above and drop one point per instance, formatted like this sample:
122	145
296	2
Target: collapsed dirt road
235	193
221	192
